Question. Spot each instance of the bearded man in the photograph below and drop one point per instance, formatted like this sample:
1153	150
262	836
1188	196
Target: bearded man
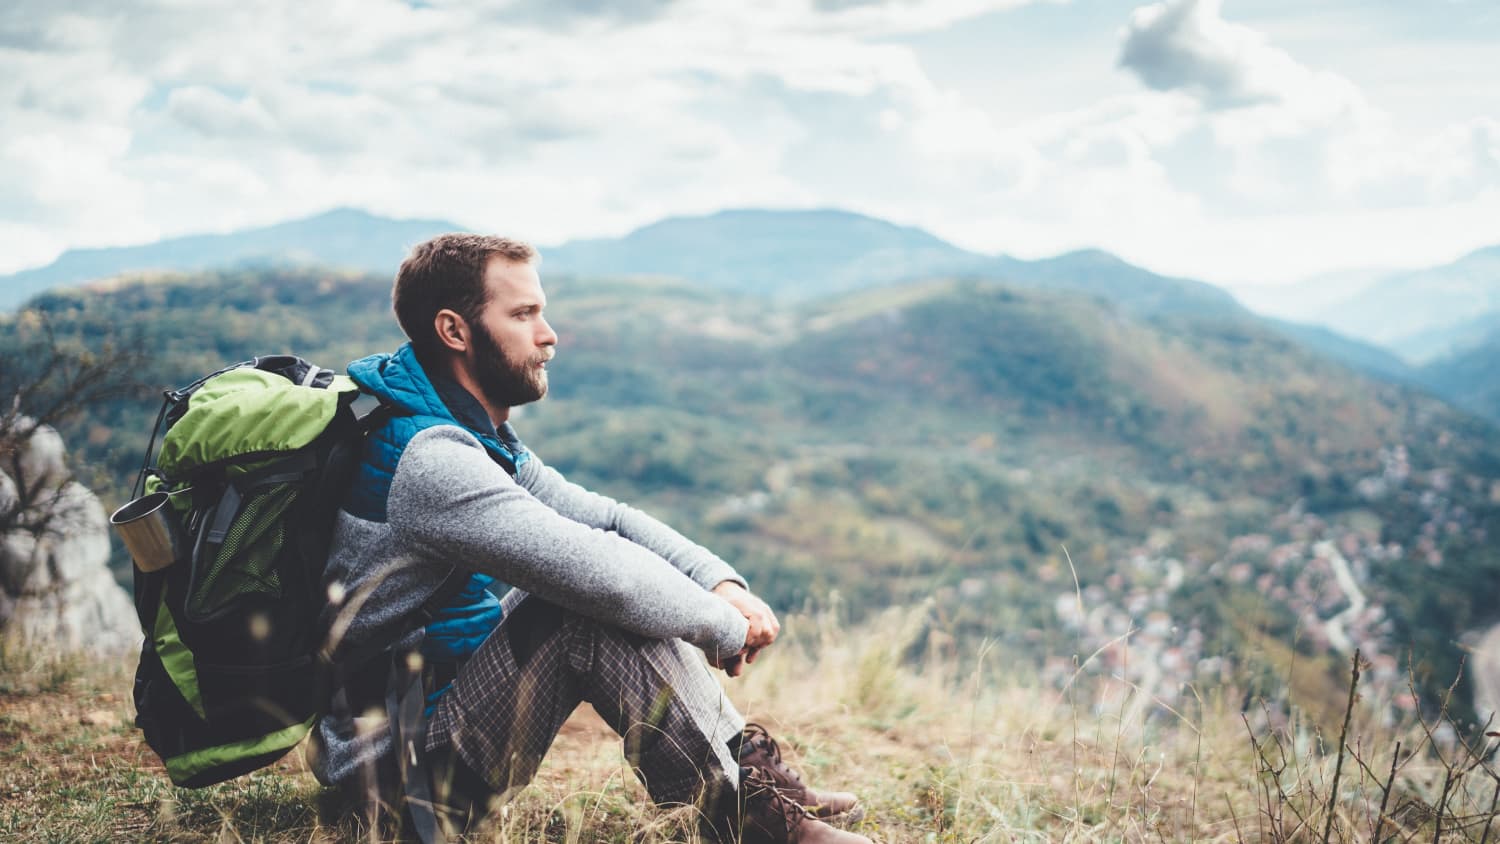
513	595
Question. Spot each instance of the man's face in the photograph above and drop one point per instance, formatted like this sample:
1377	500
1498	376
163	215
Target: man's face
512	341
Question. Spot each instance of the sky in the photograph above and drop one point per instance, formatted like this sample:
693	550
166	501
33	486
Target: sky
1251	143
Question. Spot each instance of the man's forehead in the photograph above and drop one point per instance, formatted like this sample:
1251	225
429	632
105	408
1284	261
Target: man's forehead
514	280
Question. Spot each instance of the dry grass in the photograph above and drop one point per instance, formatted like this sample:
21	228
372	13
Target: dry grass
942	749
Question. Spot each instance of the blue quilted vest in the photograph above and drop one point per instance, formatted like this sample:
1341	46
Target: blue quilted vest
399	380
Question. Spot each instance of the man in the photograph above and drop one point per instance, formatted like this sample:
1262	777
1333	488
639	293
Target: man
604	603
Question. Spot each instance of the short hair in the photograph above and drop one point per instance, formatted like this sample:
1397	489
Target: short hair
447	272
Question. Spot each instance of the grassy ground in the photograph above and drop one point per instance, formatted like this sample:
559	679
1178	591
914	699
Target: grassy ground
941	749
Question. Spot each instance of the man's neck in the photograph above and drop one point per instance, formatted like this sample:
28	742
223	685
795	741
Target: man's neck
498	415
457	375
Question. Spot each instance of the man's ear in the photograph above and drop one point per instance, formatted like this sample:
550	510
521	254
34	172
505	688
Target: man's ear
451	329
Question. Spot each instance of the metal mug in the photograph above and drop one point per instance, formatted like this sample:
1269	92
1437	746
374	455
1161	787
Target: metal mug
142	524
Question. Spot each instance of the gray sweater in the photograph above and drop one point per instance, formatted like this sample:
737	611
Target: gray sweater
451	504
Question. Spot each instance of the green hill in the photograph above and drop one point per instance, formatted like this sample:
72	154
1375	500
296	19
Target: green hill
1001	450
1106	276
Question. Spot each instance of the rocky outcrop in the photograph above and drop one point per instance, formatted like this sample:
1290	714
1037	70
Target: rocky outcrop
1484	674
56	590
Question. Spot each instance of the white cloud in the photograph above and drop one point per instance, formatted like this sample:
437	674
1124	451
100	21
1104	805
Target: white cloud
214	114
1294	137
1188	45
884	17
1092	178
557	120
1455	163
1274	115
222	111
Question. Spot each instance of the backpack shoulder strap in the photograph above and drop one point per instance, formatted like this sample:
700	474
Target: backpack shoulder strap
378	416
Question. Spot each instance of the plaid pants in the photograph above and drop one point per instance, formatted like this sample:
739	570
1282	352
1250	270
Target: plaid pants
513	695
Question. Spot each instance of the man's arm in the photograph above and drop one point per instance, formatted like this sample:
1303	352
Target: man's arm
703	566
449	501
600	511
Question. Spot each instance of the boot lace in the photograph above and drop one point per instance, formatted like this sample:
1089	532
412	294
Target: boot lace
757	739
768	806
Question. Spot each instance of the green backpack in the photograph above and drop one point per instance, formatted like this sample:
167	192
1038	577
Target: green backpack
255	460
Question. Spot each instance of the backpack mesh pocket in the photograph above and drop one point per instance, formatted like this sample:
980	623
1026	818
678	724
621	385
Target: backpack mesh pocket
246	563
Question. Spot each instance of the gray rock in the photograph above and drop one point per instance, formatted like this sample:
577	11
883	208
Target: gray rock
7	492
43	461
56	590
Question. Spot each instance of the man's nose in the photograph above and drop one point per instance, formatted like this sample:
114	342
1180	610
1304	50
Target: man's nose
547	337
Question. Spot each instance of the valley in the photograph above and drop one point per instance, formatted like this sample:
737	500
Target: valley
1159	495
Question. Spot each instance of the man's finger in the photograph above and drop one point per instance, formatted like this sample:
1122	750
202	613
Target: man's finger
759	637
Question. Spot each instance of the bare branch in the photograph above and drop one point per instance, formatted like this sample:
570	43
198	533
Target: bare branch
45	381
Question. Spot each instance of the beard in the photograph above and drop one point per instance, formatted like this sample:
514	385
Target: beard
504	382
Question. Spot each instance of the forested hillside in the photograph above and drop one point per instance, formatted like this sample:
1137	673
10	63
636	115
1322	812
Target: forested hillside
1057	472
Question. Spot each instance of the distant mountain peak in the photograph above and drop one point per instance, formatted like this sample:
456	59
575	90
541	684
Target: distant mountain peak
1418	313
1094	256
350	215
1483	253
800	253
337	212
797	253
342	237
777	218
827	213
342	214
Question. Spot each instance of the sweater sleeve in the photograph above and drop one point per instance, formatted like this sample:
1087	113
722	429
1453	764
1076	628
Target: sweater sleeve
582	505
449	501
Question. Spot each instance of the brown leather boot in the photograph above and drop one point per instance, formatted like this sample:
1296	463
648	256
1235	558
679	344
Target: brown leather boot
759	750
769	815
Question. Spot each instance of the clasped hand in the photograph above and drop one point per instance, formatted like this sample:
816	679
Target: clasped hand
762	632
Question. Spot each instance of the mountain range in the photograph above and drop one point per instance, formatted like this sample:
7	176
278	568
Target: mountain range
342	237
780	254
1425	314
1443	318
